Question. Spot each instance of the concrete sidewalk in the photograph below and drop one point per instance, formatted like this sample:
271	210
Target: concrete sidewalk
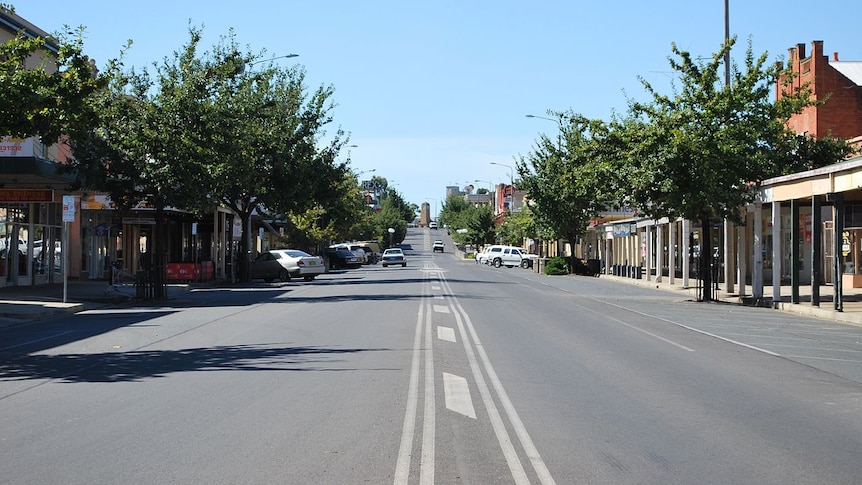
852	298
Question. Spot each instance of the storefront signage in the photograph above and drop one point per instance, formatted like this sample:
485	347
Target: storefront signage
16	147
622	230
26	195
139	220
68	208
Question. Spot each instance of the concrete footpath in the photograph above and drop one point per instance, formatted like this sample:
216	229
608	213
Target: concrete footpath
852	298
22	304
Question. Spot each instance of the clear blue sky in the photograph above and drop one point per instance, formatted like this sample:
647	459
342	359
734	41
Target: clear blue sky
432	92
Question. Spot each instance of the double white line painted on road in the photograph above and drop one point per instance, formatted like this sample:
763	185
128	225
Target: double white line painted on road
426	464
465	325
457	396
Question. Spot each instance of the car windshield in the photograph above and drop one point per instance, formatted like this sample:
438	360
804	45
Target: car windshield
395	252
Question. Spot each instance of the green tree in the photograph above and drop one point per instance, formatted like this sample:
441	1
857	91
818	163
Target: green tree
517	227
700	152
46	86
558	177
468	223
212	130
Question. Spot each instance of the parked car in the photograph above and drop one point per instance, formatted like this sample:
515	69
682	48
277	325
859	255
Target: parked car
356	249
485	256
372	249
528	260
267	268
341	258
394	256
508	256
438	246
299	263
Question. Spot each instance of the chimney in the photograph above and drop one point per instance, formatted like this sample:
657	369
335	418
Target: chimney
835	56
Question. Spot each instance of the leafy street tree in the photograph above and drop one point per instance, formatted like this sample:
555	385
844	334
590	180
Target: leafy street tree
700	153
558	177
469	224
213	130
517	227
42	93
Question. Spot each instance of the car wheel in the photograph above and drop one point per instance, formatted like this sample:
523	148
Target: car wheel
308	278
403	265
283	275
385	265
525	264
498	262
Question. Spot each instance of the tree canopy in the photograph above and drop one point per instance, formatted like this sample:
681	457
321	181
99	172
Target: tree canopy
46	86
209	129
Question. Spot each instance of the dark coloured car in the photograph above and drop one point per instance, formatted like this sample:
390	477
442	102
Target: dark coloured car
341	259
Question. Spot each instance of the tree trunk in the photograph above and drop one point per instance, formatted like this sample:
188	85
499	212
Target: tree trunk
242	257
706	258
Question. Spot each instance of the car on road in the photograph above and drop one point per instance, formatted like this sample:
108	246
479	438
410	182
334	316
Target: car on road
432	225
356	248
300	264
485	256
393	256
508	256
341	259
438	246
267	268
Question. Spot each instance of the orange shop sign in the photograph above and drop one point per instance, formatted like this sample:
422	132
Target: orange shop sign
26	195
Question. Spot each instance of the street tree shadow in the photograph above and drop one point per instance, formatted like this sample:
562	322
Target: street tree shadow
135	366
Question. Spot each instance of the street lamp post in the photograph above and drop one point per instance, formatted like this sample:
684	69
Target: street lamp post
558	121
511	185
286	56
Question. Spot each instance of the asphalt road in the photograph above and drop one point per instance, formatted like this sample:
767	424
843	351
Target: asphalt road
441	372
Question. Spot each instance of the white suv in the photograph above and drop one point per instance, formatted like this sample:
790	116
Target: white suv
484	257
508	256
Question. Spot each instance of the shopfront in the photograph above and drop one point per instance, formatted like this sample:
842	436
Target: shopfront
30	237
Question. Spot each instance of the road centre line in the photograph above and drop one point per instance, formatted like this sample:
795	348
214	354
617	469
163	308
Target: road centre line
515	466
426	468
402	467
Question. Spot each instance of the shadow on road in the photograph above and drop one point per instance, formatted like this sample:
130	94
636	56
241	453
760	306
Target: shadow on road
133	366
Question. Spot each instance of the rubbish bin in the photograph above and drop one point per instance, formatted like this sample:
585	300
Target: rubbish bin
594	266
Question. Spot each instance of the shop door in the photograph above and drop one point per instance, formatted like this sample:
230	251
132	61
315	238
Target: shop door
828	253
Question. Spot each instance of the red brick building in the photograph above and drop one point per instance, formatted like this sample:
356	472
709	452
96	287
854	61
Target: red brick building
837	82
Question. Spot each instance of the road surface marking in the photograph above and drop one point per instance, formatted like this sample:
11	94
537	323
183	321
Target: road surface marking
446	333
514	462
426	467
441	309
402	467
457	394
435	288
